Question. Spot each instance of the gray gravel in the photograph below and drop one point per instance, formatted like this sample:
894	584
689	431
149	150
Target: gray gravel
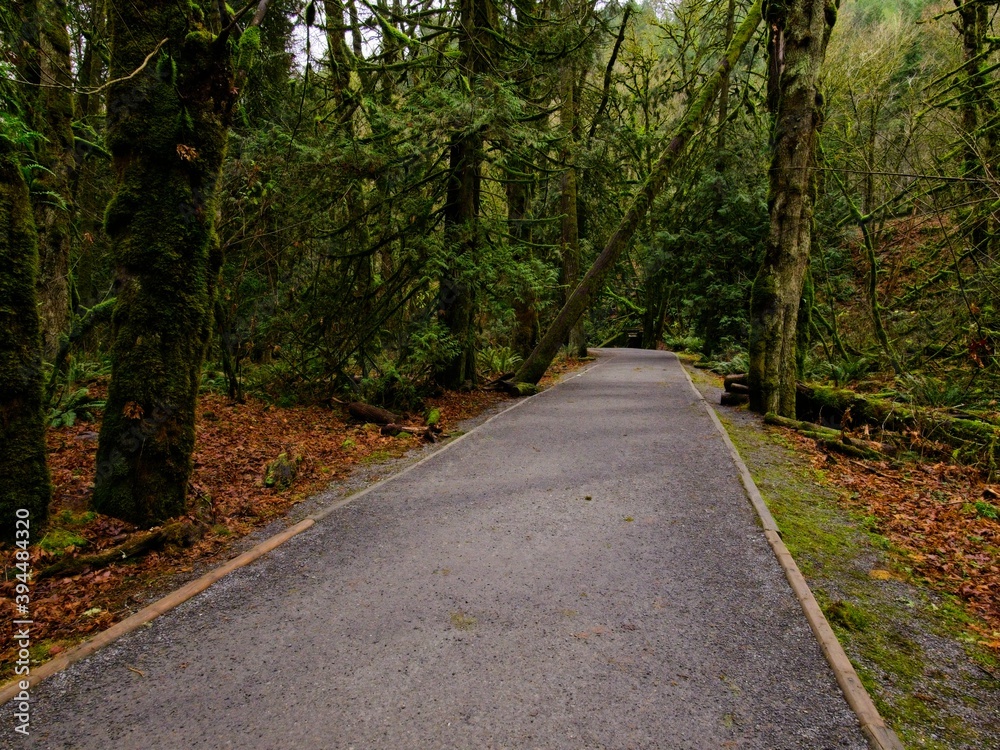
583	571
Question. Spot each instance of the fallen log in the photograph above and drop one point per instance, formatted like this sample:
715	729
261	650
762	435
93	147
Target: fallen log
975	442
736	379
831	439
733	399
838	446
427	433
368	413
181	533
738	388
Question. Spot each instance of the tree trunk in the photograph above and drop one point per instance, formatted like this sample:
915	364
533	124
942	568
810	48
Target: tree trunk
800	31
57	155
724	92
456	304
168	128
533	368
24	476
456	301
976	104
525	302
569	243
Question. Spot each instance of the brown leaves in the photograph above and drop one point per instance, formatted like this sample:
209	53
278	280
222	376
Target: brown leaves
187	153
935	515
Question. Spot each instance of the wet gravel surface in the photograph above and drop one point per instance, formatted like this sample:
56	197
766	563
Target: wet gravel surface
582	571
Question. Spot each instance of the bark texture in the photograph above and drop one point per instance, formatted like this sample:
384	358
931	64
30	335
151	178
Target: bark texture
800	31
24	476
533	368
167	133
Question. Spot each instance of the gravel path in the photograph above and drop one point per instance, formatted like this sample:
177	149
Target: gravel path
583	571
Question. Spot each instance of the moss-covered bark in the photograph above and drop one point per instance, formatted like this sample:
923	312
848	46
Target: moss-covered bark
167	133
800	30
533	368
569	244
24	476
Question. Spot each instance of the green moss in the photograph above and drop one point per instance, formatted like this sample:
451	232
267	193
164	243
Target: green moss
57	540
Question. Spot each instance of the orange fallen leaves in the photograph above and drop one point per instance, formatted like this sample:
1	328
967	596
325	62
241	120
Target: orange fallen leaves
937	516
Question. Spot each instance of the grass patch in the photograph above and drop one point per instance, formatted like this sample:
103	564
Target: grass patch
57	541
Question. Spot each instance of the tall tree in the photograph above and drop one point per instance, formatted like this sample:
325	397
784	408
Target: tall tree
477	20
24	476
169	115
569	240
799	32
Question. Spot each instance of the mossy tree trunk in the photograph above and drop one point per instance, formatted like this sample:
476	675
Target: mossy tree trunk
978	118
167	131
569	241
525	302
456	301
800	30
24	476
533	368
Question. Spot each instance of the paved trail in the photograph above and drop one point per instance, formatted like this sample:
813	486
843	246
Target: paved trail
583	571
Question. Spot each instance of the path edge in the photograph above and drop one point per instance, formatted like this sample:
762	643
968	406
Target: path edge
174	599
879	735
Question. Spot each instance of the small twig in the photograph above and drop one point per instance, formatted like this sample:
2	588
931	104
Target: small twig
99	89
137	671
872	470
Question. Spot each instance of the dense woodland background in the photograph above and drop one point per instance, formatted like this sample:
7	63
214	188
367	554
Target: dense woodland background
410	190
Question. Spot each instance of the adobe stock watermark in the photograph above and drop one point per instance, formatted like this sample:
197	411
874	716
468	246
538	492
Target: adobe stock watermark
23	623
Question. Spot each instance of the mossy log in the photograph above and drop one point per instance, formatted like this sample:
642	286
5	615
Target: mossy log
800	426
517	388
180	533
974	442
830	439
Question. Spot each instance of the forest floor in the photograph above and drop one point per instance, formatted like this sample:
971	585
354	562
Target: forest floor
903	557
235	444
